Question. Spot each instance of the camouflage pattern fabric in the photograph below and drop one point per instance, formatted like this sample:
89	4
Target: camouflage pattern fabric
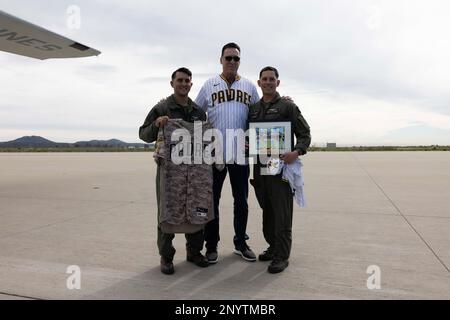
186	199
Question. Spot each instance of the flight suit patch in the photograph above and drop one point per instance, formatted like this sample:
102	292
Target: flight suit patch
272	111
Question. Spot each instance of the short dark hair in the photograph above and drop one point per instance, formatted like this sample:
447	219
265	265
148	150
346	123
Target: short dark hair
230	45
269	69
182	69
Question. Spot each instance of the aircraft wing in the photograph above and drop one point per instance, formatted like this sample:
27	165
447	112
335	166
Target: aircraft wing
21	37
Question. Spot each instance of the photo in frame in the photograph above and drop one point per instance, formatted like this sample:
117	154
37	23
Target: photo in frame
270	138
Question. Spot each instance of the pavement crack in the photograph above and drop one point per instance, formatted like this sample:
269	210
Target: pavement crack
19	296
401	213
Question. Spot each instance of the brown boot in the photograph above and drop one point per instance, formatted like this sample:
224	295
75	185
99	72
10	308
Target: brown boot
277	265
197	258
167	266
266	255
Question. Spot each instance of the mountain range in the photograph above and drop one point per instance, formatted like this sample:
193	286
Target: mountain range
40	142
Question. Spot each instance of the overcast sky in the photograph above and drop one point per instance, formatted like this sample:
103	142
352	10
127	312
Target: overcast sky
361	71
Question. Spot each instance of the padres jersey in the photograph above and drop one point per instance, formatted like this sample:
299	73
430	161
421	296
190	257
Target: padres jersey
227	105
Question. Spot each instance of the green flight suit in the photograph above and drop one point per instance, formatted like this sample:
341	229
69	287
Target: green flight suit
149	133
273	193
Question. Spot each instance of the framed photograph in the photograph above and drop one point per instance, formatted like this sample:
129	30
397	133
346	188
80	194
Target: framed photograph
270	138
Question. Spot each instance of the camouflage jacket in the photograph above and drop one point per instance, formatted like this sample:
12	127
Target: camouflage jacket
185	199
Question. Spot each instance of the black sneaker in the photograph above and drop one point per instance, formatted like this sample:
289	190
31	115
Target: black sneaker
266	255
277	266
166	266
212	256
245	252
198	259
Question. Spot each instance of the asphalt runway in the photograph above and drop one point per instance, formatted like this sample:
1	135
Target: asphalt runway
367	212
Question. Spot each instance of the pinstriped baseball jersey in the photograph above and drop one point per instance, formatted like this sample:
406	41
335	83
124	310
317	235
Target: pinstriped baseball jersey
227	106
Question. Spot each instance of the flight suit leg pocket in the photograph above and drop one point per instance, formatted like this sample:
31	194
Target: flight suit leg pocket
256	183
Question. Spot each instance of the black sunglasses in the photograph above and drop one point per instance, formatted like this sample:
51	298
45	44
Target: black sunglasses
235	58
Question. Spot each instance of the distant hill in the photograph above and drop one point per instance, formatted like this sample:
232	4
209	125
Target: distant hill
101	143
40	142
32	142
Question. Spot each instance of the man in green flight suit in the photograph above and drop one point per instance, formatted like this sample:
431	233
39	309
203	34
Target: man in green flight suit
273	193
176	106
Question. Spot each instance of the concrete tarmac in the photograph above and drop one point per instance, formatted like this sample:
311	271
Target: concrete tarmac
386	211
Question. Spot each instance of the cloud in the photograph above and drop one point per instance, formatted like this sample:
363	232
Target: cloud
358	69
156	79
418	135
98	68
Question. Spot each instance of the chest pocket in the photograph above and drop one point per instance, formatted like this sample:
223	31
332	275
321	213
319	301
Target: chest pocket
273	113
277	113
253	114
174	114
182	114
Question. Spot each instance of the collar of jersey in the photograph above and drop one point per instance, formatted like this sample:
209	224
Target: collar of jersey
238	77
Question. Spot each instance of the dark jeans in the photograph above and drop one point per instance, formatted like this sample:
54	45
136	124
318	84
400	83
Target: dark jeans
239	185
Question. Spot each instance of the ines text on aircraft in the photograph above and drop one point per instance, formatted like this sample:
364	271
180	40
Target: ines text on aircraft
24	38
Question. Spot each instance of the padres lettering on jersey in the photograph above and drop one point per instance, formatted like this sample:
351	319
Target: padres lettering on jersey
227	105
230	95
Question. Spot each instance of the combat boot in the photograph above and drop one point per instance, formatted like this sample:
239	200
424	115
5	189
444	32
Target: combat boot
167	266
198	259
267	255
277	265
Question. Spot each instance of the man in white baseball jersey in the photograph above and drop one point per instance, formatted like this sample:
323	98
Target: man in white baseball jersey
226	99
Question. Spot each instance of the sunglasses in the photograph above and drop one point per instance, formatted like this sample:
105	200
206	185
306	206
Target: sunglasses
235	58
